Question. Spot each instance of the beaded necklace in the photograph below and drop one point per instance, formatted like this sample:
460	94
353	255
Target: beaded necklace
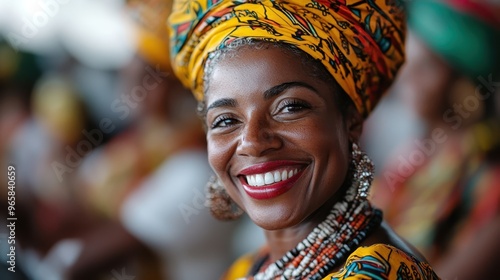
347	225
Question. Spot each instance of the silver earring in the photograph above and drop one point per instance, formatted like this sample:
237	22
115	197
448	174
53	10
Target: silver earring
363	171
221	206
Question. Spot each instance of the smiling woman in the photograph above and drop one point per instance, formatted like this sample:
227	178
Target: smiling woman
264	120
284	87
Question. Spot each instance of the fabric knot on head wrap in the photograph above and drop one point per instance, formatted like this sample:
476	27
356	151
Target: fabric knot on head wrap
360	42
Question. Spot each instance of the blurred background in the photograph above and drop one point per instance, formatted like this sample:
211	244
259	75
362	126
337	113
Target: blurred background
110	156
108	150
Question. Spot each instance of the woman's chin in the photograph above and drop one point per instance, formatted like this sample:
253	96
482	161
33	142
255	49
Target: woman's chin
271	225
273	220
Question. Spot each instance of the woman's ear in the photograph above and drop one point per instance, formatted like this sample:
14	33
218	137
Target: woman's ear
354	123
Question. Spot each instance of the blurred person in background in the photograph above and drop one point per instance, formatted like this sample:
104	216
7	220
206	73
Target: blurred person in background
18	74
46	203
149	180
44	117
443	192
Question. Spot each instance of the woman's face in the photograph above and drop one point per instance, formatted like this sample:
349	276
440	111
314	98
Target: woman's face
276	137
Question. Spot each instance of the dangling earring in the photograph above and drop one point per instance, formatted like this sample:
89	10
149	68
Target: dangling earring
221	206
363	170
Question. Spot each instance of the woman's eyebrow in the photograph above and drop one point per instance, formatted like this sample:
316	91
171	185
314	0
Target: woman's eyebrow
268	94
272	92
223	102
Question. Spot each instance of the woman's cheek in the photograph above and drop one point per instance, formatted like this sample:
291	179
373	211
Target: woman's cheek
212	150
218	153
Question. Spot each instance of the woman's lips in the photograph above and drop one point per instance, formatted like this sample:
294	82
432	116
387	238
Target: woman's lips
269	180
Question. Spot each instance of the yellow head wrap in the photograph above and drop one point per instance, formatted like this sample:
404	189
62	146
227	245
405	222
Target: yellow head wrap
153	36
360	42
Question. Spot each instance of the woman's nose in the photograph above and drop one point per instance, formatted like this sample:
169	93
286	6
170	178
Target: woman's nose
258	137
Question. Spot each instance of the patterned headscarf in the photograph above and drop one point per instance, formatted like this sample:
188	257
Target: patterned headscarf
360	42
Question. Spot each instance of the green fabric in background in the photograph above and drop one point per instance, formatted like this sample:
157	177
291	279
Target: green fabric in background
466	42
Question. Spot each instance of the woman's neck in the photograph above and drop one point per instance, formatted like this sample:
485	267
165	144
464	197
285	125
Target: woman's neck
283	240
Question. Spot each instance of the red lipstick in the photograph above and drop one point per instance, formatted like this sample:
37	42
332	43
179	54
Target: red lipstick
271	190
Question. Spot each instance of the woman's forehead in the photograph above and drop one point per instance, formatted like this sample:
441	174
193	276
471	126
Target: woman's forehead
255	70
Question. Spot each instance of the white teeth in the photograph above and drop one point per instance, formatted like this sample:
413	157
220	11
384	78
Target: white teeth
251	180
259	180
270	177
277	176
284	175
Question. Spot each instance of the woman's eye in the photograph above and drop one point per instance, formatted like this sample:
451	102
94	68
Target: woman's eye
223	121
291	106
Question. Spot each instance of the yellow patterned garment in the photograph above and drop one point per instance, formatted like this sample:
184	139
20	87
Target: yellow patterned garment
360	42
376	262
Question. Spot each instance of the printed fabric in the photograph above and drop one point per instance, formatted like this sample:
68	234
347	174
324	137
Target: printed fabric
361	43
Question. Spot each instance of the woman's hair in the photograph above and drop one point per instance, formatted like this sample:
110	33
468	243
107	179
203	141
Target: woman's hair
316	68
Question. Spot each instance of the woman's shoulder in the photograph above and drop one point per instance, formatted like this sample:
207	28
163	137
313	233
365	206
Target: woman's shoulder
245	264
381	261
